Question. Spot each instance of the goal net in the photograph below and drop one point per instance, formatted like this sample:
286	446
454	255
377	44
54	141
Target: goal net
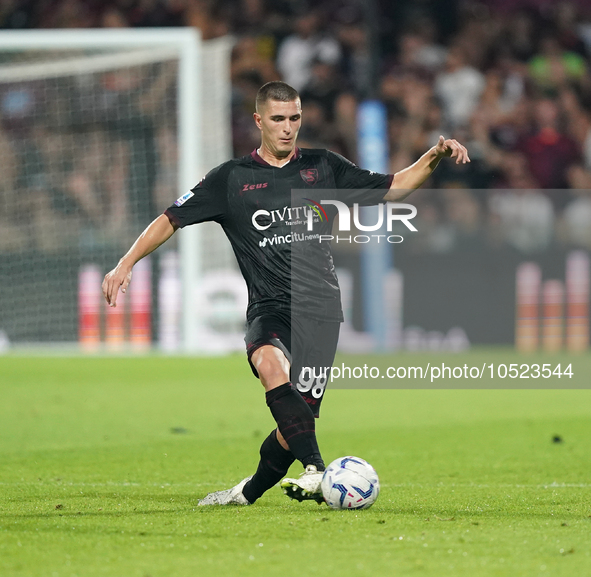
100	131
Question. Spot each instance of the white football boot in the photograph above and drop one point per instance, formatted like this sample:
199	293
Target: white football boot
306	487
231	496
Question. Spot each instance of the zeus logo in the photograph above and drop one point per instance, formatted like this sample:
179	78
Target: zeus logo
253	186
345	216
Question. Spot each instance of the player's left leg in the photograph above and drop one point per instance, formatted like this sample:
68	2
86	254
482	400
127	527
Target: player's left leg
231	496
314	348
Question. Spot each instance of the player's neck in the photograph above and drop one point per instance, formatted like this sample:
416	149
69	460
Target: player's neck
273	160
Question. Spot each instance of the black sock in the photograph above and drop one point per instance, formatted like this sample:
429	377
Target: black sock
295	421
274	464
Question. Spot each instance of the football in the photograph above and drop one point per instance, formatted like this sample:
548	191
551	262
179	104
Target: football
350	483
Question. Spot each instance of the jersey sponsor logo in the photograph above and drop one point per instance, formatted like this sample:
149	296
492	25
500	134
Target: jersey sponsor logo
291	215
309	175
180	201
287	239
246	187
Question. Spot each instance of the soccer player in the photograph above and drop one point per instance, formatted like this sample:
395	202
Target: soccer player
264	201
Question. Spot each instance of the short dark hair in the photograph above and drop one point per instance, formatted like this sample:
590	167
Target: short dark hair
276	90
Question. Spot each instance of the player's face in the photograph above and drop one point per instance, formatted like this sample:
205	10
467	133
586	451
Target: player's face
279	123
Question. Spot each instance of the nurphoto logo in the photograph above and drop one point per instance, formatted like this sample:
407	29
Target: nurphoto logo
345	216
345	222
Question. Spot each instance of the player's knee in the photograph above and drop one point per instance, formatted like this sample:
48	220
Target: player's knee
272	367
272	373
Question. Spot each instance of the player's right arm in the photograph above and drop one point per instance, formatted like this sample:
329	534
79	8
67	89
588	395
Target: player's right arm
157	233
204	202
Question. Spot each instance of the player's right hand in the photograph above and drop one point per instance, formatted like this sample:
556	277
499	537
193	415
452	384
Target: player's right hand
120	276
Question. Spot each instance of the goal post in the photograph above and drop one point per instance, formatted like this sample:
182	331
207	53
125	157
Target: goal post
59	54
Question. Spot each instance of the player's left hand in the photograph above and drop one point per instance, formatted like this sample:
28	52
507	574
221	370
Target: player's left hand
452	149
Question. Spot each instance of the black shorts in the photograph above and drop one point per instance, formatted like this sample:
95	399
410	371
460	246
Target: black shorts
309	345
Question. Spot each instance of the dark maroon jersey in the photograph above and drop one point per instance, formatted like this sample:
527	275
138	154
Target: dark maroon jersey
264	210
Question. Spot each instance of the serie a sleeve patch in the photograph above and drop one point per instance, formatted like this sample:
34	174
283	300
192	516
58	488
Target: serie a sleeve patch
180	201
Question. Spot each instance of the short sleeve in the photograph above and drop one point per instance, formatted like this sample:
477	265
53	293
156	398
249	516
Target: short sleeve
204	202
357	185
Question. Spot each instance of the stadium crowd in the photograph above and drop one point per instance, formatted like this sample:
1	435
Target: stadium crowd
509	78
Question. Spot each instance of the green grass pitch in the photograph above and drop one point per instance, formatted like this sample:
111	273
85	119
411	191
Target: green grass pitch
102	461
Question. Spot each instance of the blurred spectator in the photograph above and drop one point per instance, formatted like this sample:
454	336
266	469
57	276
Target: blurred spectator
500	96
578	122
459	87
300	50
525	217
566	20
323	88
267	19
476	34
112	17
548	150
250	56
554	67
15	14
67	14
417	56
419	47
210	17
515	172
154	12
519	35
356	57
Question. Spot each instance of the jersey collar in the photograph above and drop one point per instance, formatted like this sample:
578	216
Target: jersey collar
255	156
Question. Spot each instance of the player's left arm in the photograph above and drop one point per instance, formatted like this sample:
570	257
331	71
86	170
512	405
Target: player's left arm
411	177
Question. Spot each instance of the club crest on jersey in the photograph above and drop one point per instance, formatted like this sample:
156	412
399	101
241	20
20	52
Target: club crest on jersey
180	201
310	175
